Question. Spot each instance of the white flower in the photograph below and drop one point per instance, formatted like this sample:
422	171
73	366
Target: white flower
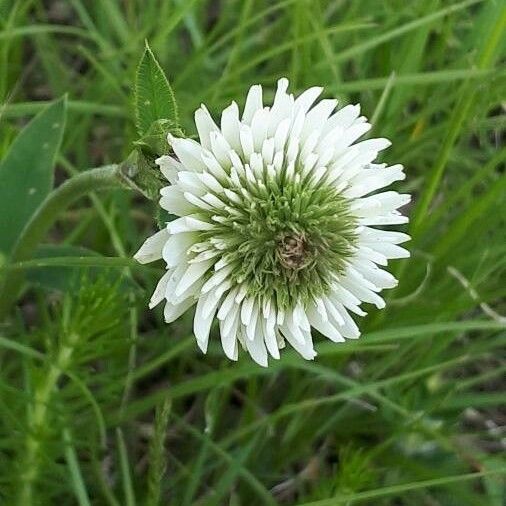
273	234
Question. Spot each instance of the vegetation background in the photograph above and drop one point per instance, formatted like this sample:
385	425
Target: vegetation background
102	403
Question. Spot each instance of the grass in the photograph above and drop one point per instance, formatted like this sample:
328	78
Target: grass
102	403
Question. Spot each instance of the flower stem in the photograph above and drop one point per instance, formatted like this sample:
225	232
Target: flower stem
101	178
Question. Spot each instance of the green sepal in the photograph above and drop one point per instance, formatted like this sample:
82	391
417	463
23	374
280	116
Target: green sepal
163	217
142	174
154	142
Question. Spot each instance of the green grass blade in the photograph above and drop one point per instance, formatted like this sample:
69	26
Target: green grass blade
395	490
457	119
75	471
126	480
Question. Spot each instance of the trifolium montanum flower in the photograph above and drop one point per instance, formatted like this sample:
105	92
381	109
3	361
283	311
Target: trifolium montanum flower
274	232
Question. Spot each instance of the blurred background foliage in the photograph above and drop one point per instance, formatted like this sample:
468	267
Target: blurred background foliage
102	403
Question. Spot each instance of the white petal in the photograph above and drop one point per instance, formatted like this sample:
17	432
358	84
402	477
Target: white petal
221	264
268	151
221	149
213	298
281	107
253	103
247	144
246	310
172	312
309	144
196	202
380	209
378	277
269	332
192	274
177	274
213	166
205	125
216	278
356	277
374	235
278	160
251	328
390	250
256	348
228	333
169	167
343	118
189	153
213	201
380	203
305	349
325	327
365	252
152	248
192	291
259	125
300	318
333	311
347	299
190	182
230	126
363	293
374	178
393	218
321	310
293	328
376	145
317	116
350	136
176	247
281	134
188	224
160	290
203	319
306	99
349	329
211	182
227	305
173	201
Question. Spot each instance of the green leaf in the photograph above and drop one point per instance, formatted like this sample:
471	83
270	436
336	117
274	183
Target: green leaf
60	278
67	278
154	98
26	172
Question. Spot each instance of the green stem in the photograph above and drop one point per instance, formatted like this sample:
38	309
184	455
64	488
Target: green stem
38	420
101	178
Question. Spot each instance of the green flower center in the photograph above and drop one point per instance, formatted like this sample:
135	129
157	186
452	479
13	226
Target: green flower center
287	239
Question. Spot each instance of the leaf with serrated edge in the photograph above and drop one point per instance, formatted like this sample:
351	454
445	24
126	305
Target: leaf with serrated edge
154	98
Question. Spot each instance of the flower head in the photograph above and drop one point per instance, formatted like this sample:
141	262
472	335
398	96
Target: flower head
273	234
